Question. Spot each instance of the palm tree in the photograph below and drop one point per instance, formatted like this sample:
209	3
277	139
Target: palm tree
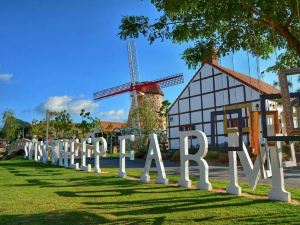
164	108
163	112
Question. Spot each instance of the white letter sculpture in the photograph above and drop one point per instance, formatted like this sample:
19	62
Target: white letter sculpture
154	153
123	155
66	148
252	171
61	153
73	165
203	183
84	167
45	154
278	191
54	157
27	149
99	151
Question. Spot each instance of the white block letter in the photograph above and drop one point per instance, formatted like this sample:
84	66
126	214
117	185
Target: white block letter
123	155
83	157
54	157
203	183
99	151
73	165
154	153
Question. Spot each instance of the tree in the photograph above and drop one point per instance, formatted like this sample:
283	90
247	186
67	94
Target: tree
10	127
164	108
163	113
38	128
148	118
259	27
63	125
88	123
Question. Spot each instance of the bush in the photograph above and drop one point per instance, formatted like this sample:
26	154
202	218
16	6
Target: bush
212	155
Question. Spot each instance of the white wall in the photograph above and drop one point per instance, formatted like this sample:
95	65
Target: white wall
174	108
174	121
208	100
220	82
236	95
207	85
195	103
206	71
184	105
221	98
184	118
195	88
196	117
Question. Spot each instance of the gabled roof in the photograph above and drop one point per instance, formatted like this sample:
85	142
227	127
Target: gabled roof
256	84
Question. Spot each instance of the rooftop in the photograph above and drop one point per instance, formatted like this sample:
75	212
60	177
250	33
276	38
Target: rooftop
110	126
256	84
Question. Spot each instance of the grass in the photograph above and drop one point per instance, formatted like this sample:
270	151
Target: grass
34	193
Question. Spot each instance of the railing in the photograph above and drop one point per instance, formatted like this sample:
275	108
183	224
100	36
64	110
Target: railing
17	145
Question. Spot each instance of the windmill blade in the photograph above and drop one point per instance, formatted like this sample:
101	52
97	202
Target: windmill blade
169	81
113	91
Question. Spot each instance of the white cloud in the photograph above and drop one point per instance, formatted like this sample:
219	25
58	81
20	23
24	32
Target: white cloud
113	115
5	77
73	106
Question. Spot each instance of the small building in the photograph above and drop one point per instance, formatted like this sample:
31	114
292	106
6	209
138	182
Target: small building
213	88
110	131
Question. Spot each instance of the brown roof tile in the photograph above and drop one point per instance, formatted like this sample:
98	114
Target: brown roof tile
256	84
110	126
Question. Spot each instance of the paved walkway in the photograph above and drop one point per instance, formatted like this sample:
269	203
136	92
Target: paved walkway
292	175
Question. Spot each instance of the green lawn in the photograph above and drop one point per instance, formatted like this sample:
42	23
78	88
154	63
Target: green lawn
34	193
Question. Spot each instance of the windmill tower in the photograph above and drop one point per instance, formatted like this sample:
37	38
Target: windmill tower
134	78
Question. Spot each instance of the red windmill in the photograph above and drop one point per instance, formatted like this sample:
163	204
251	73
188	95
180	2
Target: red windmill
164	82
135	86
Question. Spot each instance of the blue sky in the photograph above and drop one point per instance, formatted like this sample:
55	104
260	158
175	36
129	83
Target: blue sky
57	53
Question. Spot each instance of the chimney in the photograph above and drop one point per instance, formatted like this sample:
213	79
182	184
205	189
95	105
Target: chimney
214	59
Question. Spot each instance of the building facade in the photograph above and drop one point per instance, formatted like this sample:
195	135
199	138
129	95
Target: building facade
214	88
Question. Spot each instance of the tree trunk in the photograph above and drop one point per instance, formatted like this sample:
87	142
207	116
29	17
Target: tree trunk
284	31
287	109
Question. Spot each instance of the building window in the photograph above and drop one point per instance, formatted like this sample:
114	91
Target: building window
187	127
231	123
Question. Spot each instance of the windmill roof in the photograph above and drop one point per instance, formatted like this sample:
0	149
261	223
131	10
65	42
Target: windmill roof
151	89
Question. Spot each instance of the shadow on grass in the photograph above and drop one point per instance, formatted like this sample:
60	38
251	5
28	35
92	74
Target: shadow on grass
74	217
176	204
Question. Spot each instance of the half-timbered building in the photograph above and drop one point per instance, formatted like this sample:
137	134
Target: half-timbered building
214	88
